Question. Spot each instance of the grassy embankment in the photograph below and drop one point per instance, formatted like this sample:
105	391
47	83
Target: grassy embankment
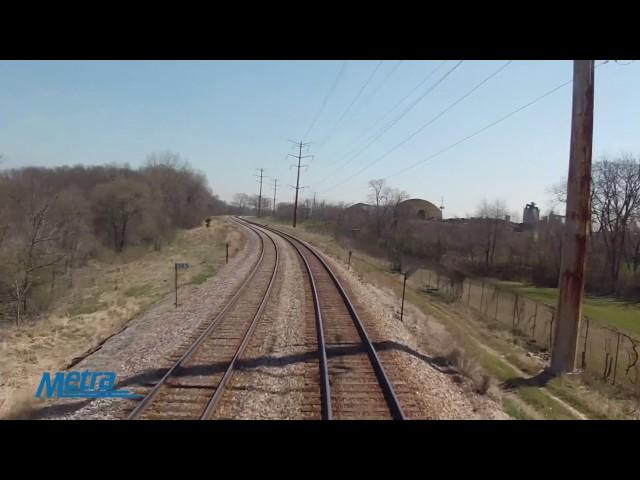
104	297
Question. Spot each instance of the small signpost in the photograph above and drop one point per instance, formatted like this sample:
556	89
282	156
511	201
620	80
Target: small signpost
179	266
404	286
405	275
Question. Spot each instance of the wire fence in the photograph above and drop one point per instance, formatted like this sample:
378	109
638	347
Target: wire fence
605	352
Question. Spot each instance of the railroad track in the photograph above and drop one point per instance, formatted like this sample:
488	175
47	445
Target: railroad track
193	386
353	382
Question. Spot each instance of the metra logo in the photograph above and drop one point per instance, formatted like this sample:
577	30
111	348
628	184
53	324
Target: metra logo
85	384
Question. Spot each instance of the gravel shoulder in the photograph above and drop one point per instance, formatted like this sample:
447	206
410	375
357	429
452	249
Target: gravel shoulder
434	390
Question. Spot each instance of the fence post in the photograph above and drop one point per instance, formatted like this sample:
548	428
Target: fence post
615	364
227	260
553	319
513	323
583	364
535	320
468	291
482	296
495	315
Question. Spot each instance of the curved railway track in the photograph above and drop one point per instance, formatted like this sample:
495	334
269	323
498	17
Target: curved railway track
193	386
353	382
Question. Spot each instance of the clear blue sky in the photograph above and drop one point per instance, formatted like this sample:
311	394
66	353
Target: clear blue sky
228	118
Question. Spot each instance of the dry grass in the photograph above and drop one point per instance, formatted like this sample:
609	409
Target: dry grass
105	297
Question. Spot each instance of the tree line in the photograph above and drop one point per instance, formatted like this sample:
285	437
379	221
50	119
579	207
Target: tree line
489	242
53	220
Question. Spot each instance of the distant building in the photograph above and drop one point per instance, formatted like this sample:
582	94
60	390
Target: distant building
357	215
553	218
416	208
531	214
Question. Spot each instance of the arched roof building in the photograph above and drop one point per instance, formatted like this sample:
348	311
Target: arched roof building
416	208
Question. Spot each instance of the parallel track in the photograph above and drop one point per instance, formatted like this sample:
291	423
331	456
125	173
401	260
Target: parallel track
353	382
193	386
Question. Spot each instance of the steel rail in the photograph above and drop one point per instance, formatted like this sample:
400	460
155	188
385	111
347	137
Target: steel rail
325	389
215	400
148	399
387	388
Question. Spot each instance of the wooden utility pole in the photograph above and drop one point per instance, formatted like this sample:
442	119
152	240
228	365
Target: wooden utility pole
577	220
260	194
275	188
297	187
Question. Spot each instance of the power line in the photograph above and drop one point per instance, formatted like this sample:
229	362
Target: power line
373	93
384	80
326	98
487	127
396	105
477	132
395	120
377	87
425	125
352	103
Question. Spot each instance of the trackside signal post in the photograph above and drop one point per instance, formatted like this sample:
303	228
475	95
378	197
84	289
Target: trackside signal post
576	228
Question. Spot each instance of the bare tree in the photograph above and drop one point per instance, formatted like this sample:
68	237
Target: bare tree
35	234
493	214
118	205
633	249
616	204
241	201
377	197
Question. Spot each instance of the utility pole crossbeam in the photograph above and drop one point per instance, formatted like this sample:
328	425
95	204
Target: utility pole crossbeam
297	187
577	221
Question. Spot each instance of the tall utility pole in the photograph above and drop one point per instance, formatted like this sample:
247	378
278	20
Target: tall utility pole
577	221
260	194
275	188
297	187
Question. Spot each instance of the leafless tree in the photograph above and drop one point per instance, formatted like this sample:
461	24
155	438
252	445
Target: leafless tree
377	198
241	201
633	246
118	205
493	214
616	205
